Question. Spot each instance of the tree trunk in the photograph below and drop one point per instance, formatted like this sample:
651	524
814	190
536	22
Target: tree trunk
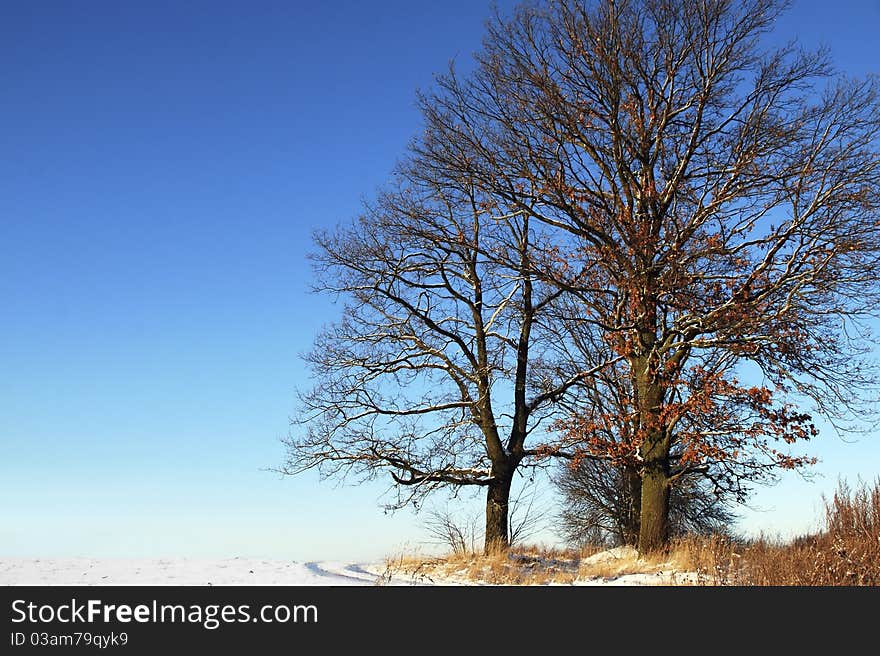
654	511
654	528
497	508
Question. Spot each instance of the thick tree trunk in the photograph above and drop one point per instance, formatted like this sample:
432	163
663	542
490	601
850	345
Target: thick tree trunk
654	528
654	511
497	509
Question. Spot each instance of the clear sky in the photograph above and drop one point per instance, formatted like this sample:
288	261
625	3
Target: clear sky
163	165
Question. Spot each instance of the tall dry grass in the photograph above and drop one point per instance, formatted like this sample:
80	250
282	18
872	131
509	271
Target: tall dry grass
845	552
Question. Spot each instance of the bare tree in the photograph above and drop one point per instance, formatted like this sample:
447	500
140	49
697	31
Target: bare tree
427	375
722	205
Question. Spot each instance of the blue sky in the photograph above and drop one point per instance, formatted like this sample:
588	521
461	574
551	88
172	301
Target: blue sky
163	166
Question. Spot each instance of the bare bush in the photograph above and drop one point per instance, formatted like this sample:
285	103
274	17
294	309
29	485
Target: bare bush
461	536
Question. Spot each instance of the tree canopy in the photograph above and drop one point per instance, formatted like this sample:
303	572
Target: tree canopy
648	225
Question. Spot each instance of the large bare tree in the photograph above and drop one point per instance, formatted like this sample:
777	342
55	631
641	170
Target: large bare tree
722	203
430	373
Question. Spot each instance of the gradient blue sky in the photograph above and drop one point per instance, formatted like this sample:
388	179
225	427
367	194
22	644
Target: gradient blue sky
163	165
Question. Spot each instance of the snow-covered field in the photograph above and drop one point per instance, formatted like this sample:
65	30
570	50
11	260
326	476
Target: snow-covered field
184	571
249	571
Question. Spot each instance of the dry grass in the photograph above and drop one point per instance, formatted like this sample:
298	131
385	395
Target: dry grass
846	552
519	567
514	568
533	565
522	566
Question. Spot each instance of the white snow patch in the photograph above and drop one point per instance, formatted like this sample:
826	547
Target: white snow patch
610	555
649	578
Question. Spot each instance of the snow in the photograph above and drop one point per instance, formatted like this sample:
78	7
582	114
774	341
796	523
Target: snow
185	571
651	578
611	555
252	571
